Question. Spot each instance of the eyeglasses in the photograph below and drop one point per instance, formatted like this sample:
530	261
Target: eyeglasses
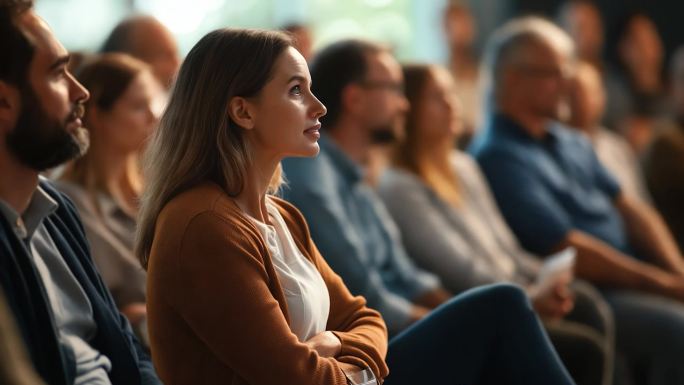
395	87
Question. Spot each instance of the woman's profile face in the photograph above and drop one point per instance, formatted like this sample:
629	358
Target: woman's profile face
438	112
286	113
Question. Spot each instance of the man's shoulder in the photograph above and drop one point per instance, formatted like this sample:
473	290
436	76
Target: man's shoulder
317	175
494	151
570	135
319	164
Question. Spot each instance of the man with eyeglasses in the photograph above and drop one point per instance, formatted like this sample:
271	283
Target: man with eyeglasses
554	193
361	85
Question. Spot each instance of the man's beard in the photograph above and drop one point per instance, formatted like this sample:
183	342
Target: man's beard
42	143
383	135
388	133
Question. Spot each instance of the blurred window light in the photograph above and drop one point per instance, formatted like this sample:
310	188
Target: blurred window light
378	3
411	27
177	15
82	24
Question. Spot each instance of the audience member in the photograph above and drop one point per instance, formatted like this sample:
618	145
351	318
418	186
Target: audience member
460	28
105	184
587	104
145	38
636	94
67	319
664	161
301	38
554	193
581	19
217	243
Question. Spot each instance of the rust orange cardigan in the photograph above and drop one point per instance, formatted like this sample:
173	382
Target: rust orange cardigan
217	313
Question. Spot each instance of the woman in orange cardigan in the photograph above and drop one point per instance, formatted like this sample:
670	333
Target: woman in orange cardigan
237	291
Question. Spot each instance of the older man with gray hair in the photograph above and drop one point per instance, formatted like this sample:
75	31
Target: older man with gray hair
554	193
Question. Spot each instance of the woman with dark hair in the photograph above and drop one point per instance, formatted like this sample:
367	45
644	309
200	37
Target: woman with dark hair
636	92
105	184
238	292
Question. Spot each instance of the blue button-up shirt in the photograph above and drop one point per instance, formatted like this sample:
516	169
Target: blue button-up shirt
355	233
547	187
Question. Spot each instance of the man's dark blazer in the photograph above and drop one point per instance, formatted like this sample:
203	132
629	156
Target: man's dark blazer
27	298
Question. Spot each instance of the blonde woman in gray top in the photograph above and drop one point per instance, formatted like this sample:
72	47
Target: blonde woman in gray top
105	183
451	226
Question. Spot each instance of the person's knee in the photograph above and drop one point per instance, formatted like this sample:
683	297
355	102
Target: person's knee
490	302
507	295
503	297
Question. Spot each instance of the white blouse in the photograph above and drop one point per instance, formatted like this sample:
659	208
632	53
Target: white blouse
305	291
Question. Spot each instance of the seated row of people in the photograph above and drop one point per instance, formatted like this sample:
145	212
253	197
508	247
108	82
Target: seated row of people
235	280
218	308
235	277
361	85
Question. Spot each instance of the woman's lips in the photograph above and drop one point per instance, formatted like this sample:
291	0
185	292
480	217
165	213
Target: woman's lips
313	131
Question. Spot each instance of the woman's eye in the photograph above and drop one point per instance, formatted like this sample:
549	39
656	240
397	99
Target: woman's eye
60	72
296	90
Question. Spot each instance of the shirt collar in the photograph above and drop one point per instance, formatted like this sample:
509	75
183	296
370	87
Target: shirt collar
40	206
351	171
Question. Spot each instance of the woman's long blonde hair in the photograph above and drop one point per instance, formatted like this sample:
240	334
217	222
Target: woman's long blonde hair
196	140
407	154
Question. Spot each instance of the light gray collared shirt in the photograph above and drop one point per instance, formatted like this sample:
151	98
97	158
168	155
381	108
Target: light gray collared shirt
70	307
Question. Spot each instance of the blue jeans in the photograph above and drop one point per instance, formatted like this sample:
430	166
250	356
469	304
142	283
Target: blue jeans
649	331
487	335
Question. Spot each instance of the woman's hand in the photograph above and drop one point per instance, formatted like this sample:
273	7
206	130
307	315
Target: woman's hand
326	344
554	302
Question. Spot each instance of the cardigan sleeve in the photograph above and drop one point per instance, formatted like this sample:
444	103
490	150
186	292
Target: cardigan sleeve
225	299
361	329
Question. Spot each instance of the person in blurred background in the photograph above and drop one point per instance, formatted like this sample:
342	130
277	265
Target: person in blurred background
460	28
636	93
302	38
145	38
105	184
581	19
361	84
67	319
554	193
587	103
451	227
664	160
